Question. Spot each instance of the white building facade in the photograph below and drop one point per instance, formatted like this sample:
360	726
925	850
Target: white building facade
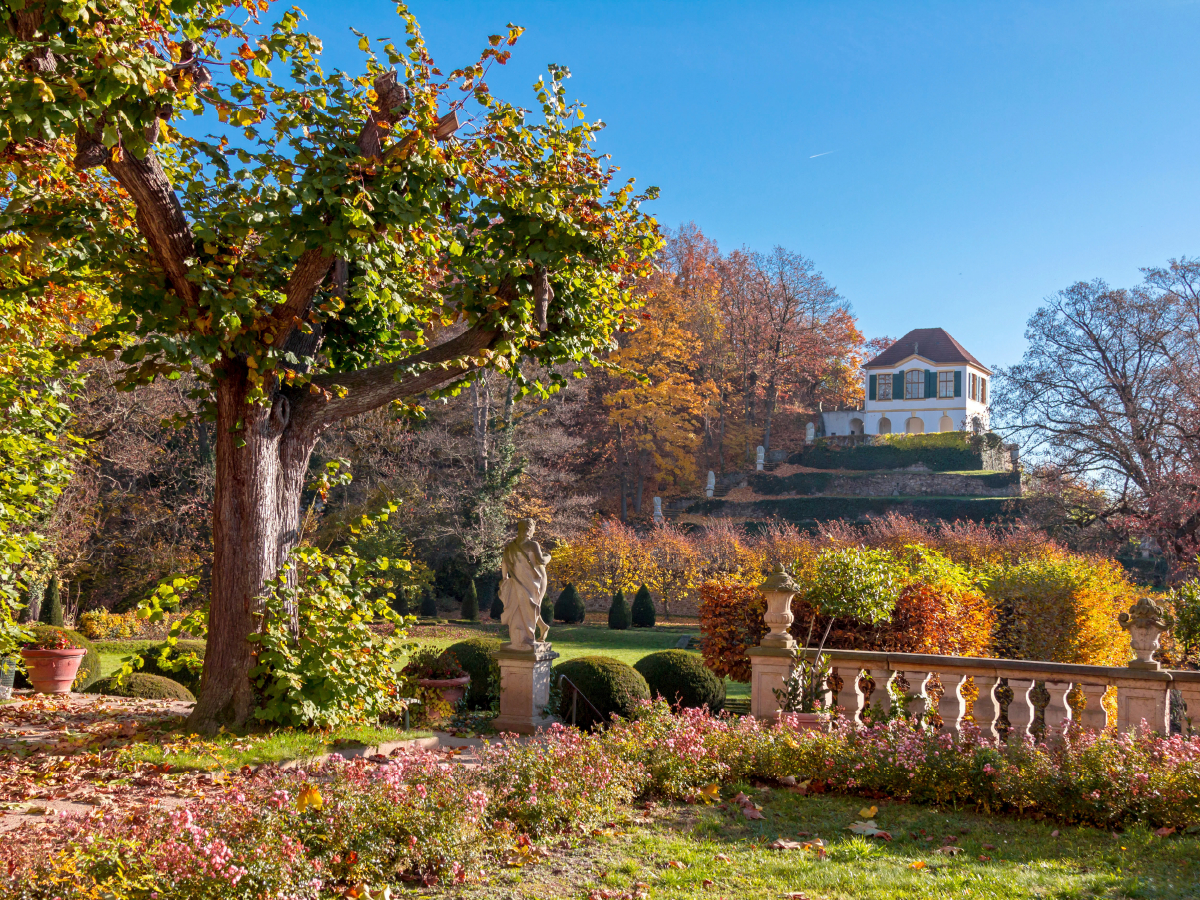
924	382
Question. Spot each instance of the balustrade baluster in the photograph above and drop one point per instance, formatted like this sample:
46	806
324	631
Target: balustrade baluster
950	706
916	699
881	697
1092	715
986	709
1191	698
1058	713
1021	711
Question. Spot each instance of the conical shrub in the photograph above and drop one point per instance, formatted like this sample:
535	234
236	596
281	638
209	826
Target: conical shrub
52	611
569	608
643	609
497	605
618	613
470	606
547	610
429	607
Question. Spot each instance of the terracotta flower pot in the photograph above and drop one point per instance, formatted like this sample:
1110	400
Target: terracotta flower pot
451	689
52	671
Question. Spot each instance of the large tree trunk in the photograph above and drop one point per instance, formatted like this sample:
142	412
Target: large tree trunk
261	465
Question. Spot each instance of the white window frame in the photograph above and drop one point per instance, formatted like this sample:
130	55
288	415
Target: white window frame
946	385
914	384
880	392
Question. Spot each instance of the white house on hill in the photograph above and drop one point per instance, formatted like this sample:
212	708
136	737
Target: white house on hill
924	382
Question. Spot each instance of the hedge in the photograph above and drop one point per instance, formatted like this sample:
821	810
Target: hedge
477	656
188	674
802	509
943	452
798	483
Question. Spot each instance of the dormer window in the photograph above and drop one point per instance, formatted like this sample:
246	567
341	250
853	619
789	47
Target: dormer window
914	384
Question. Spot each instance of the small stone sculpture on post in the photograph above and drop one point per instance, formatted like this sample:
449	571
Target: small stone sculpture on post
1145	623
771	662
658	513
1141	700
711	484
526	659
760	457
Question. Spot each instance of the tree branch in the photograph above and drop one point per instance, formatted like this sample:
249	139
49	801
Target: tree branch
370	388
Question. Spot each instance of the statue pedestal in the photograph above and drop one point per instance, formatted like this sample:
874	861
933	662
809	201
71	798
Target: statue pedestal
524	687
770	667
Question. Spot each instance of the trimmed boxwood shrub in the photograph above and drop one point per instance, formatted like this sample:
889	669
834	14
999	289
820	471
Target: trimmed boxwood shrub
190	652
89	667
682	678
476	656
429	606
642	613
613	687
146	687
547	610
569	608
52	610
797	483
618	614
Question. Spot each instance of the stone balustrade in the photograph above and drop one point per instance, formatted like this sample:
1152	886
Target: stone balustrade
957	686
999	696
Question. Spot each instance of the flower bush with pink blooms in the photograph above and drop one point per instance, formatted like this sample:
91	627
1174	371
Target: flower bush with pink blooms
317	833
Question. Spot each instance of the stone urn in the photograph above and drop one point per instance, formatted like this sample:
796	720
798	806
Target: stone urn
779	589
451	689
52	671
1145	622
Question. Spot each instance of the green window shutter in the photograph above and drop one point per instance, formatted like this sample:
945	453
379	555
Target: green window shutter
930	384
898	385
871	387
958	384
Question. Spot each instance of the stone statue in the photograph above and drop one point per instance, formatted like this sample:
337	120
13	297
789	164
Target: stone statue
760	455
711	484
658	513
522	587
810	433
1145	622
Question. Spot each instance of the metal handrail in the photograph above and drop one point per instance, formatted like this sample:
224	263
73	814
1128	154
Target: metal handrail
577	693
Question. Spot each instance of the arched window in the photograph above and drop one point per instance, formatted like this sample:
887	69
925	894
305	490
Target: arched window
914	425
885	425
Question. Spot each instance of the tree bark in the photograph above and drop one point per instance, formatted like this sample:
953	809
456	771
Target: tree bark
261	457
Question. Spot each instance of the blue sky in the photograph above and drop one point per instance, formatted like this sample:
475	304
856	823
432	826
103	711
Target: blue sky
977	156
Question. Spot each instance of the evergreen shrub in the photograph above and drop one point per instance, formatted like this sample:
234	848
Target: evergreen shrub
470	606
547	610
569	608
611	686
618	614
642	613
429	606
477	656
943	452
52	610
141	685
682	679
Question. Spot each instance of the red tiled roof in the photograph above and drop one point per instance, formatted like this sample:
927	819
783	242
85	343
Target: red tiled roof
933	344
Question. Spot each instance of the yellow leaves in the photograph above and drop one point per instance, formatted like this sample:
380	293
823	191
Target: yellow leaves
238	70
44	92
363	44
710	793
917	864
868	812
309	798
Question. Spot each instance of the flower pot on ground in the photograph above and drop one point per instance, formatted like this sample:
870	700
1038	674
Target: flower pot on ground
52	671
807	721
439	671
451	689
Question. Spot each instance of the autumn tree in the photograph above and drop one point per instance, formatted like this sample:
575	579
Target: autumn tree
335	246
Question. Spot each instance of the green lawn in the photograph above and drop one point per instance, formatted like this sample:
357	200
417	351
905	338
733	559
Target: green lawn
229	752
1027	861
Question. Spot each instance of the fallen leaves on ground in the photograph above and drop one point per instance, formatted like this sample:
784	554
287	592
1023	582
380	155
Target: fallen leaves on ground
949	851
1165	831
750	809
917	864
870	829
